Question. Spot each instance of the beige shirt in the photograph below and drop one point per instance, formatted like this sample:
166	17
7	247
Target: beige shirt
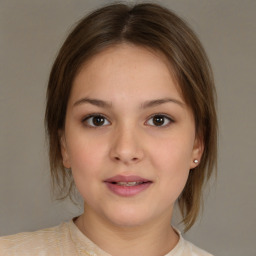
66	239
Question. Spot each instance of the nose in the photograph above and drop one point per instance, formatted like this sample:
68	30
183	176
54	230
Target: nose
126	146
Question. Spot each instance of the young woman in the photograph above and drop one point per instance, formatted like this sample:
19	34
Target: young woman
131	122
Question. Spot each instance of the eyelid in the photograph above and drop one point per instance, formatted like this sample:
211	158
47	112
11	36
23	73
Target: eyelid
170	119
85	118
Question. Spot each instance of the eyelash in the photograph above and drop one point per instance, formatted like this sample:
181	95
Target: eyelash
161	115
86	118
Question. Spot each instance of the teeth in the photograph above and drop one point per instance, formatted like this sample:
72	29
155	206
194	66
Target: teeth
128	184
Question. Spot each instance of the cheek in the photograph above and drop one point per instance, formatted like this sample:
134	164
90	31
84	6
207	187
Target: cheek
85	163
86	156
172	160
174	154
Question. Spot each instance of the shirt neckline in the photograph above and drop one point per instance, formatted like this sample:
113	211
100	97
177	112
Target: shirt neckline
87	247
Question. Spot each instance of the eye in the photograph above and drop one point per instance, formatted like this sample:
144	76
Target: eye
95	121
159	120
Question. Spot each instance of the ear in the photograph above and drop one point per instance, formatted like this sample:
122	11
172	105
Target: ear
197	151
64	152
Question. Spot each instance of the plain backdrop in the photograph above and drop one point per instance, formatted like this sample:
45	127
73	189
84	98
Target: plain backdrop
31	32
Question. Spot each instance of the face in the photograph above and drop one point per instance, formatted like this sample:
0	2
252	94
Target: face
129	137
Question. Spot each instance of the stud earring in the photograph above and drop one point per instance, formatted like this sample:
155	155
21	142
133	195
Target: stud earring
196	161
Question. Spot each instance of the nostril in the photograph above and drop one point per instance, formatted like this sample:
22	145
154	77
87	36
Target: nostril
134	159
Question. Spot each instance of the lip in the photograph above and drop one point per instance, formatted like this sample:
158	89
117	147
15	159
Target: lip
127	191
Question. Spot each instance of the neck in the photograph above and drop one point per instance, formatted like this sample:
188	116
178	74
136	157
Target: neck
154	238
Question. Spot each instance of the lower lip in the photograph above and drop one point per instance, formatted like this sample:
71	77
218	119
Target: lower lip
127	191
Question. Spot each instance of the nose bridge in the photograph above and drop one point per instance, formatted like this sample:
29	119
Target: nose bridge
126	146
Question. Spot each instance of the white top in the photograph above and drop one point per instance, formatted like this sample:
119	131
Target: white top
66	239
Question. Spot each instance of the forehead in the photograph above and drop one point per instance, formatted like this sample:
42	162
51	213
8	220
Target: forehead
126	66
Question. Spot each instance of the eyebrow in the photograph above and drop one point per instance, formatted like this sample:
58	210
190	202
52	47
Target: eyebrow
154	103
147	104
95	102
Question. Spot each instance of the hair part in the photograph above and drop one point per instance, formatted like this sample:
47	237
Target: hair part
157	28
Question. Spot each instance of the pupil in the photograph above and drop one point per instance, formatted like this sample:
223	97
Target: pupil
158	120
98	120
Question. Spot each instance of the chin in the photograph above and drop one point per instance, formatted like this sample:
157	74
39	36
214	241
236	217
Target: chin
128	218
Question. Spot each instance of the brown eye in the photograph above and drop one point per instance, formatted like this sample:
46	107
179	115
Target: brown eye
159	120
96	121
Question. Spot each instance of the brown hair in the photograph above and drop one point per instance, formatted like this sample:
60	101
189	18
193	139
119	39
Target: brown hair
155	27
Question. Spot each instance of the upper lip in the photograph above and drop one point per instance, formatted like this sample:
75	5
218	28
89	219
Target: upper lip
131	178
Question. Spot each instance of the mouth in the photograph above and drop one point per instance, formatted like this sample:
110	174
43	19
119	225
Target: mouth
127	185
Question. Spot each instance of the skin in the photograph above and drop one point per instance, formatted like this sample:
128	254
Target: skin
128	142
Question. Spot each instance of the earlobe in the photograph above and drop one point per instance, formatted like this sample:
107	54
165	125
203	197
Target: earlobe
64	152
197	153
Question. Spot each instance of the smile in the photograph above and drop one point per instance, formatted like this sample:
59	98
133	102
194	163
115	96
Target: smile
127	186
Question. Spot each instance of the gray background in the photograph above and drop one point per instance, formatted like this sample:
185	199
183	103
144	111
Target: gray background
31	32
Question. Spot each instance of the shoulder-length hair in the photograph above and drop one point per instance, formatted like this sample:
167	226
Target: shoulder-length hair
155	27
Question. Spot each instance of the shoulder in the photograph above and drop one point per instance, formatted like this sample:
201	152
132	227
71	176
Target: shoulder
186	248
46	242
191	249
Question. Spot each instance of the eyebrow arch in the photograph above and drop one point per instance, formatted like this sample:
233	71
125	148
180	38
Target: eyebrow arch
154	103
147	104
95	102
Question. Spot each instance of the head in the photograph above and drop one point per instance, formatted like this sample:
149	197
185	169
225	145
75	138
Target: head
151	27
